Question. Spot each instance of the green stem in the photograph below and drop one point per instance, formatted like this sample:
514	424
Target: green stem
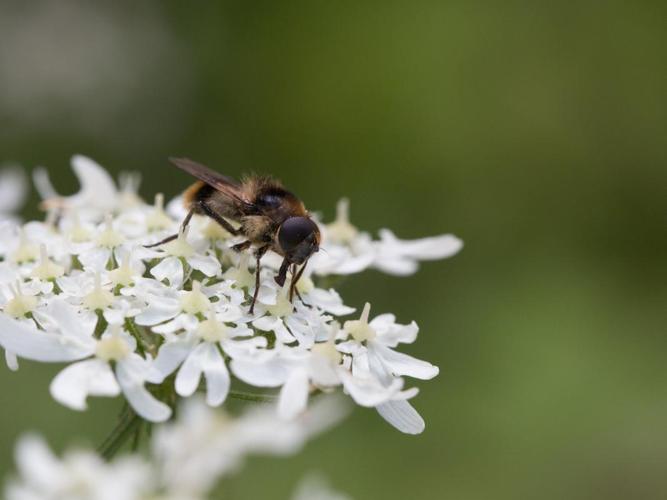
101	324
136	440
121	433
132	328
250	396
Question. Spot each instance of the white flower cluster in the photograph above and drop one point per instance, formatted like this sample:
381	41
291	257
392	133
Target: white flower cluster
186	459
81	288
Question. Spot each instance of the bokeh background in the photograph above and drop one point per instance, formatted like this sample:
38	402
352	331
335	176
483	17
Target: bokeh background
535	131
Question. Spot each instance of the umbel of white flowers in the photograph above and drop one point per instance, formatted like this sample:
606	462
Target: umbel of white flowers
163	323
185	461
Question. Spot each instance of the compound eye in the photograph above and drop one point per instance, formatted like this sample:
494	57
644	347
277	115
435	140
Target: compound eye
293	231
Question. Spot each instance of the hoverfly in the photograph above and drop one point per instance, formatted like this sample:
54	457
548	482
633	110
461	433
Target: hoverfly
270	218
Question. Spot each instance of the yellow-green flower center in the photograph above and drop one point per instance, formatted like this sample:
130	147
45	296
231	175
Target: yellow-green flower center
212	330
282	307
240	274
112	348
195	302
19	305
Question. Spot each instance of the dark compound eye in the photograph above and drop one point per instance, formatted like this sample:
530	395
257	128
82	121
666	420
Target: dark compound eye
293	231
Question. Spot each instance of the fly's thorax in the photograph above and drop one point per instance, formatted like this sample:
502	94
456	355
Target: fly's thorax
258	229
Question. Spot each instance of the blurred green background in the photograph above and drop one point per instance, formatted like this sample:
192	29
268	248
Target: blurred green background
535	131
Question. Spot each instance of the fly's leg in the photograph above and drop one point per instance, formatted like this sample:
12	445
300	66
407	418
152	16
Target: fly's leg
282	273
239	247
184	225
219	219
259	253
296	276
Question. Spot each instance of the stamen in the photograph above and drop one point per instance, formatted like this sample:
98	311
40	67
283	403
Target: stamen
243	277
123	274
99	298
26	251
109	237
359	329
47	269
180	246
78	233
341	231
158	219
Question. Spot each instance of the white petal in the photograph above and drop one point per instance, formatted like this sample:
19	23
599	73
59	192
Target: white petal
354	264
142	401
243	348
294	394
69	321
400	257
30	343
176	208
431	248
392	333
336	259
13	188
97	187
313	487
266	323
329	301
402	415
277	326
187	379
42	182
396	265
158	311
267	293
366	390
270	373
95	259
217	376
400	364
298	327
169	357
170	269
323	372
37	463
12	361
75	383
207	264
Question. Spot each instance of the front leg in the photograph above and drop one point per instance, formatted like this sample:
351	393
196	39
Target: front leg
259	253
296	276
